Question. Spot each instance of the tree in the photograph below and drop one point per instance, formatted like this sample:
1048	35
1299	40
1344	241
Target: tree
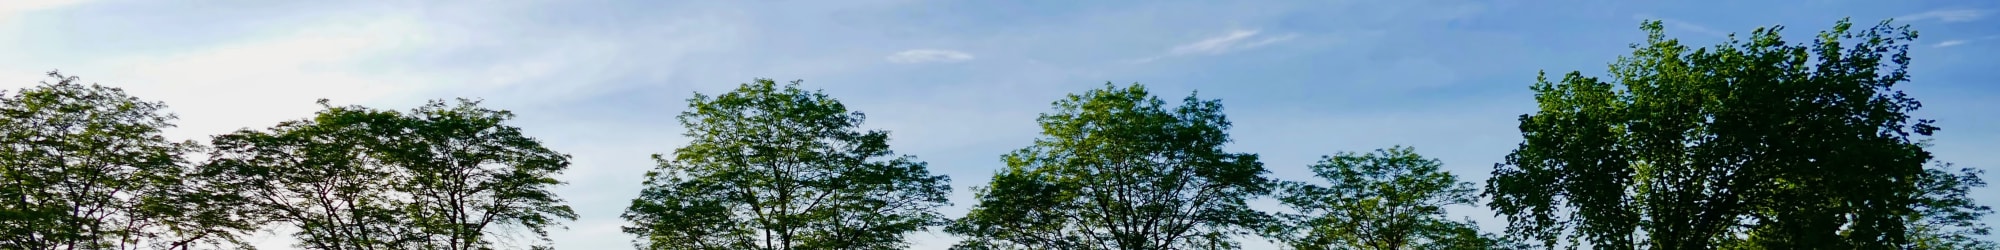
1117	169
1389	199
85	166
1749	144
467	173
1946	218
441	176
314	175
778	167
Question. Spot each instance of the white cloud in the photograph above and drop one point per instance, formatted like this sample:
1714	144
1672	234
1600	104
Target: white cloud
1214	45
1949	16
929	56
1235	40
257	83
250	84
1957	42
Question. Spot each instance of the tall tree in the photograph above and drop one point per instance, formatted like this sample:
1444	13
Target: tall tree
442	176
315	175
777	167
468	175
84	166
1748	144
1389	199
1118	169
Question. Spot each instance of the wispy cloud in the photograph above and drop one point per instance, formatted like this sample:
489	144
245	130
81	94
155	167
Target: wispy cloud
1235	40
1948	15
272	79
929	56
1957	42
1949	43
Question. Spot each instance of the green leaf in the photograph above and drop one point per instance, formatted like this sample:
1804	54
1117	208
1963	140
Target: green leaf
1116	168
442	176
1388	199
1749	144
778	167
85	166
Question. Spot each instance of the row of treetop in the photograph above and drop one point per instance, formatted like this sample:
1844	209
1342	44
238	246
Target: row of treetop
1754	143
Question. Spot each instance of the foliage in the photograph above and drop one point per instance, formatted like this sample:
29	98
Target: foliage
441	176
1749	144
466	172
1389	199
1946	218
1116	169
778	167
85	166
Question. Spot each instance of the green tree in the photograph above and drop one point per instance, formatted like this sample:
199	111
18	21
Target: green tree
442	176
1748	144
1946	218
84	166
1389	199
314	175
777	167
1117	169
467	174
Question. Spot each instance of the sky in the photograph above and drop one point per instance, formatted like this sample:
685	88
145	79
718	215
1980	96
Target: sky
957	83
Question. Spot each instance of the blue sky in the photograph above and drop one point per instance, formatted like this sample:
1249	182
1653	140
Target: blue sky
956	82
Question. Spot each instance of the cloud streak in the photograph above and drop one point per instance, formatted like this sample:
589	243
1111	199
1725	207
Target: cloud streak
1967	41
1946	15
929	56
1949	43
1235	40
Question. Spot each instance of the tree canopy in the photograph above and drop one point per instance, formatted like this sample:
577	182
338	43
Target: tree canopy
1753	144
441	176
1116	168
777	167
85	166
1388	199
